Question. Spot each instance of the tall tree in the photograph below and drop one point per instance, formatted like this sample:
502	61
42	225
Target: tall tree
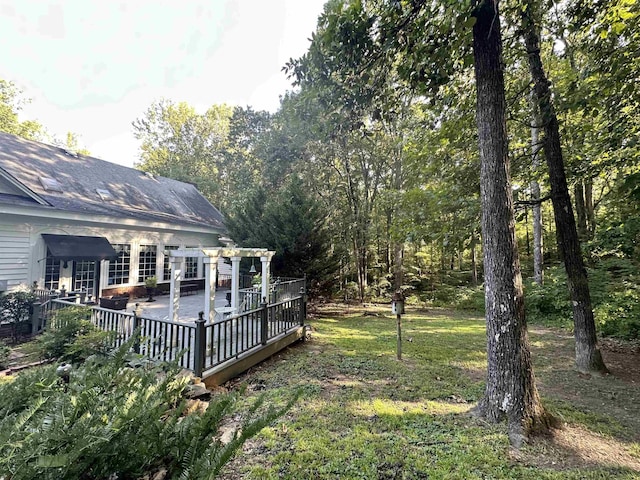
538	256
11	102
588	356
179	143
72	143
364	105
510	390
426	42
293	224
242	165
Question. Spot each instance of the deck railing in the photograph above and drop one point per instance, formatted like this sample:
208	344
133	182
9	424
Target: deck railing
285	289
43	295
198	345
281	289
231	337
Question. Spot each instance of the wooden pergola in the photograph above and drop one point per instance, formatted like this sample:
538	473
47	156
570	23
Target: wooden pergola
210	257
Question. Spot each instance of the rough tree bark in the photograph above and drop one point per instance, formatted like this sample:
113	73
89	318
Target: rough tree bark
588	357
510	391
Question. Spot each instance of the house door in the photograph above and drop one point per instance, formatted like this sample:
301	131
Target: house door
52	273
84	276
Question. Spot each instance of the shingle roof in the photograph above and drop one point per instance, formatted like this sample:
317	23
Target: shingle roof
134	193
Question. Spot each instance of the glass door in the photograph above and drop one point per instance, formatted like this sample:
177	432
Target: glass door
84	276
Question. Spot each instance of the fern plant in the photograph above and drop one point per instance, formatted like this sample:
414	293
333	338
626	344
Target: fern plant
113	421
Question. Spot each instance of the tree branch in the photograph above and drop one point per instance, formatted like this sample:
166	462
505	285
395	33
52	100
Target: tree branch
530	203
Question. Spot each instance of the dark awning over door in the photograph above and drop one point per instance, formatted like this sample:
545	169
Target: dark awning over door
71	247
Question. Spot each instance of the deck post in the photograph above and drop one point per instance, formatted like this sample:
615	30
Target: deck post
174	292
137	312
303	306
210	268
264	323
235	284
265	277
200	347
36	317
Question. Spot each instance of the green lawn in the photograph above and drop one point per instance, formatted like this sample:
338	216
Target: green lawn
363	414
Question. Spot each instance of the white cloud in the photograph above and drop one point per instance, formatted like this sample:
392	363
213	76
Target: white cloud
92	67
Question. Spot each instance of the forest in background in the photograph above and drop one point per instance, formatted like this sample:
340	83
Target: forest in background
371	164
367	177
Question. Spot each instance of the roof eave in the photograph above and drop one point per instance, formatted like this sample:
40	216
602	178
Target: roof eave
108	221
22	187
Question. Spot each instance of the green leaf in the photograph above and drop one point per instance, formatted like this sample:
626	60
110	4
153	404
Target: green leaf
626	14
53	461
618	27
468	60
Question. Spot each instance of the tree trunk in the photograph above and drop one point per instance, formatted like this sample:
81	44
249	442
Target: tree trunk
590	208
538	229
474	263
510	391
361	264
387	254
398	274
398	246
526	229
588	357
581	210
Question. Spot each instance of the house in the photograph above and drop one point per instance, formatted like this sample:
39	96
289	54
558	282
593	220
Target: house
77	222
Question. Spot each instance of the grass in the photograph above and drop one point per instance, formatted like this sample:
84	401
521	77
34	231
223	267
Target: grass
365	415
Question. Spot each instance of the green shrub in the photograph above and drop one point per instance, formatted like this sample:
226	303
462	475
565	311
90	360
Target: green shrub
381	289
619	314
350	292
549	304
615	296
16	308
470	298
441	296
72	337
4	355
460	297
111	421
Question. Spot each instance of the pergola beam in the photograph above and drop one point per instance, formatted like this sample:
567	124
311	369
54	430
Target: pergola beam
210	257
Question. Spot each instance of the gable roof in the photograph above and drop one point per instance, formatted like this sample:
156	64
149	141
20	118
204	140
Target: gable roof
89	185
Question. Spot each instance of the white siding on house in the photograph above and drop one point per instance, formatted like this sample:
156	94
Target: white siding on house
14	255
22	249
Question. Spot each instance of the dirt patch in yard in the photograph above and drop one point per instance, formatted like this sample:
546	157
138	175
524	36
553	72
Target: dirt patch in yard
576	447
622	359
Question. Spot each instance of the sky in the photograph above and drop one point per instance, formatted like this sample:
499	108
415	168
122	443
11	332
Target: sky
94	66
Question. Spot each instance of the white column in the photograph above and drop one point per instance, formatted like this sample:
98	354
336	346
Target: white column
210	268
265	277
235	283
159	263
104	279
177	267
134	263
